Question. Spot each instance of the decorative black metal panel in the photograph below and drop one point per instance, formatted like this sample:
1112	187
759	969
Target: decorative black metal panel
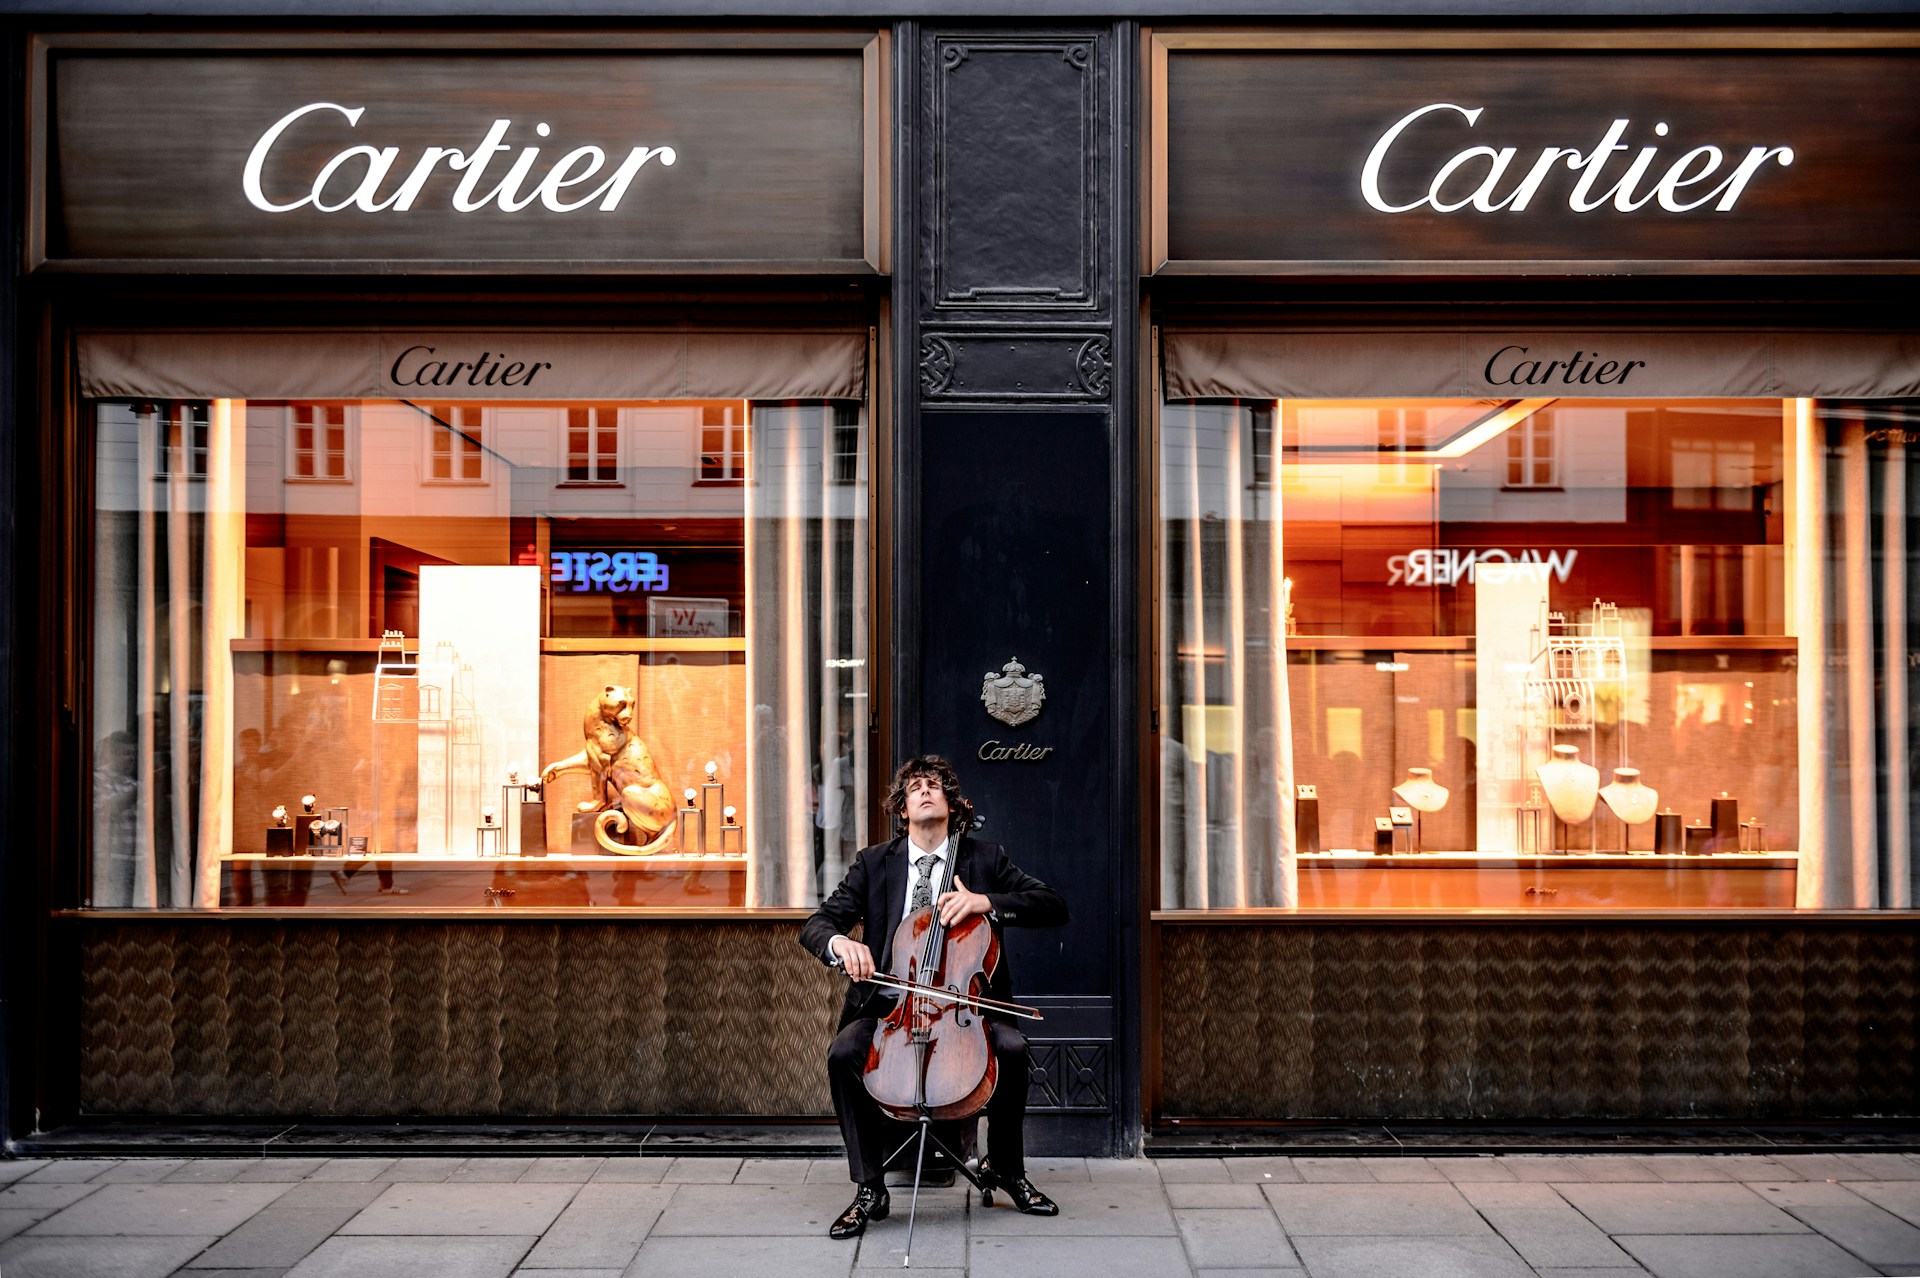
1013	266
1018	367
1014	154
1069	1075
1710	1021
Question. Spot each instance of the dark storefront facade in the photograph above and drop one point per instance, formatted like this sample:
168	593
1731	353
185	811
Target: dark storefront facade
1406	525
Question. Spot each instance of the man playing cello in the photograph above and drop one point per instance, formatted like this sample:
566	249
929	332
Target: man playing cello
886	883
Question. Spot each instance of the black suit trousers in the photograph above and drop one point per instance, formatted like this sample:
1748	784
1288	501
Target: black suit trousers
867	1130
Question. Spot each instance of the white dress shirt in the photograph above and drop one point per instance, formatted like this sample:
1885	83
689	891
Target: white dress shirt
940	883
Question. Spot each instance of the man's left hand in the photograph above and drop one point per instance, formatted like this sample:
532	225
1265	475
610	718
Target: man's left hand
960	903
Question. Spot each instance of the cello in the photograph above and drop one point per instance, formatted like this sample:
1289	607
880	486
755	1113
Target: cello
931	1058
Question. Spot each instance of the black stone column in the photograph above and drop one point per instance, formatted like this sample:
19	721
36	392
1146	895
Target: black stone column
1014	481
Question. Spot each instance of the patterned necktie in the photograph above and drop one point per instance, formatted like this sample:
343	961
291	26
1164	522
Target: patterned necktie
923	889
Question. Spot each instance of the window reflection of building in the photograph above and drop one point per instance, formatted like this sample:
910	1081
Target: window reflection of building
317	442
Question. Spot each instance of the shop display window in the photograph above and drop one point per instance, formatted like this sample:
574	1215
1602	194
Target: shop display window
1544	653
398	653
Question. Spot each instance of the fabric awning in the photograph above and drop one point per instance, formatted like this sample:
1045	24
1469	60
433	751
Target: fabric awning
470	364
1616	364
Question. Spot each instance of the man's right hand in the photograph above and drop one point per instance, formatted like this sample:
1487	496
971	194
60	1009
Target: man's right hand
855	959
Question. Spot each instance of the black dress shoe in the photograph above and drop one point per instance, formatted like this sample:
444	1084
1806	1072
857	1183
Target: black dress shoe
870	1202
1026	1199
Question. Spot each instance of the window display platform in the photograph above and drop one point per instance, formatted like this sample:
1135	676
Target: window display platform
506	882
1493	880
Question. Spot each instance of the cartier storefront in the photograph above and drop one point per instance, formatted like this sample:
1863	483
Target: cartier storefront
458	505
1531	484
1410	528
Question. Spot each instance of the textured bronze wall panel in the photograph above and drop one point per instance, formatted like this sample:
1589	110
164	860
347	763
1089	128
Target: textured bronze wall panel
1712	1021
288	1018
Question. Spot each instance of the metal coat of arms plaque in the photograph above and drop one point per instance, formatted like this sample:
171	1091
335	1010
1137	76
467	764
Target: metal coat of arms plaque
1013	696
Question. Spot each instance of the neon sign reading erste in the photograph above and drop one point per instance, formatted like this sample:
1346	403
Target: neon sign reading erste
601	571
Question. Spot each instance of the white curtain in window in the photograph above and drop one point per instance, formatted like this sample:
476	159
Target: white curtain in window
1227	797
1858	625
806	629
169	555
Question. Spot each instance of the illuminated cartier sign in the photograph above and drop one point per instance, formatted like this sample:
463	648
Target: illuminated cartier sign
1675	190
1442	567
602	571
367	169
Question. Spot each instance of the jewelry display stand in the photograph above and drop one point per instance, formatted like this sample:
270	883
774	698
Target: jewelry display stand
1423	794
1575	666
1632	800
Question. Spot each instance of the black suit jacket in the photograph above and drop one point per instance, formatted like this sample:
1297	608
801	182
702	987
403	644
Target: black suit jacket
874	893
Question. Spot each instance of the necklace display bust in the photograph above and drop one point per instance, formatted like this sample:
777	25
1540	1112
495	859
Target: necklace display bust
1421	792
1572	787
1631	799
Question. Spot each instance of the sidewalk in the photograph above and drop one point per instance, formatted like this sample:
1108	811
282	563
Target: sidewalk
1676	1216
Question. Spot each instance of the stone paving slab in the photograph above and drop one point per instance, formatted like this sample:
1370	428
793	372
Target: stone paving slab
1740	1256
1806	1193
69	1171
1686	1168
213	1171
1242	1196
12	1169
1260	1171
273	1171
702	1258
774	1171
287	1229
1869	1233
35	1196
1558	1216
632	1171
161	1210
342	1257
1115	1171
43	1257
1679	1209
1473	1171
1423	1211
490	1171
562	1171
1607	1168
939	1236
1224	1238
701	1171
139	1171
1051	1171
462	1210
421	1170
1407	1171
1397	1257
1085	1210
1333	1171
602	1227
1902	1198
1187	1171
348	1170
1543	1167
993	1257
724	1210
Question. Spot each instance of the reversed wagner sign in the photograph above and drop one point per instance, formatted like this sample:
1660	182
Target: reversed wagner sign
1368	161
588	158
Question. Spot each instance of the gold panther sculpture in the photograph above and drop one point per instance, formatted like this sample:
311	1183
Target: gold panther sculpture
626	789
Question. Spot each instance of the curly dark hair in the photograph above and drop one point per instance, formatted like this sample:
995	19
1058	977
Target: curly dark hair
960	812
